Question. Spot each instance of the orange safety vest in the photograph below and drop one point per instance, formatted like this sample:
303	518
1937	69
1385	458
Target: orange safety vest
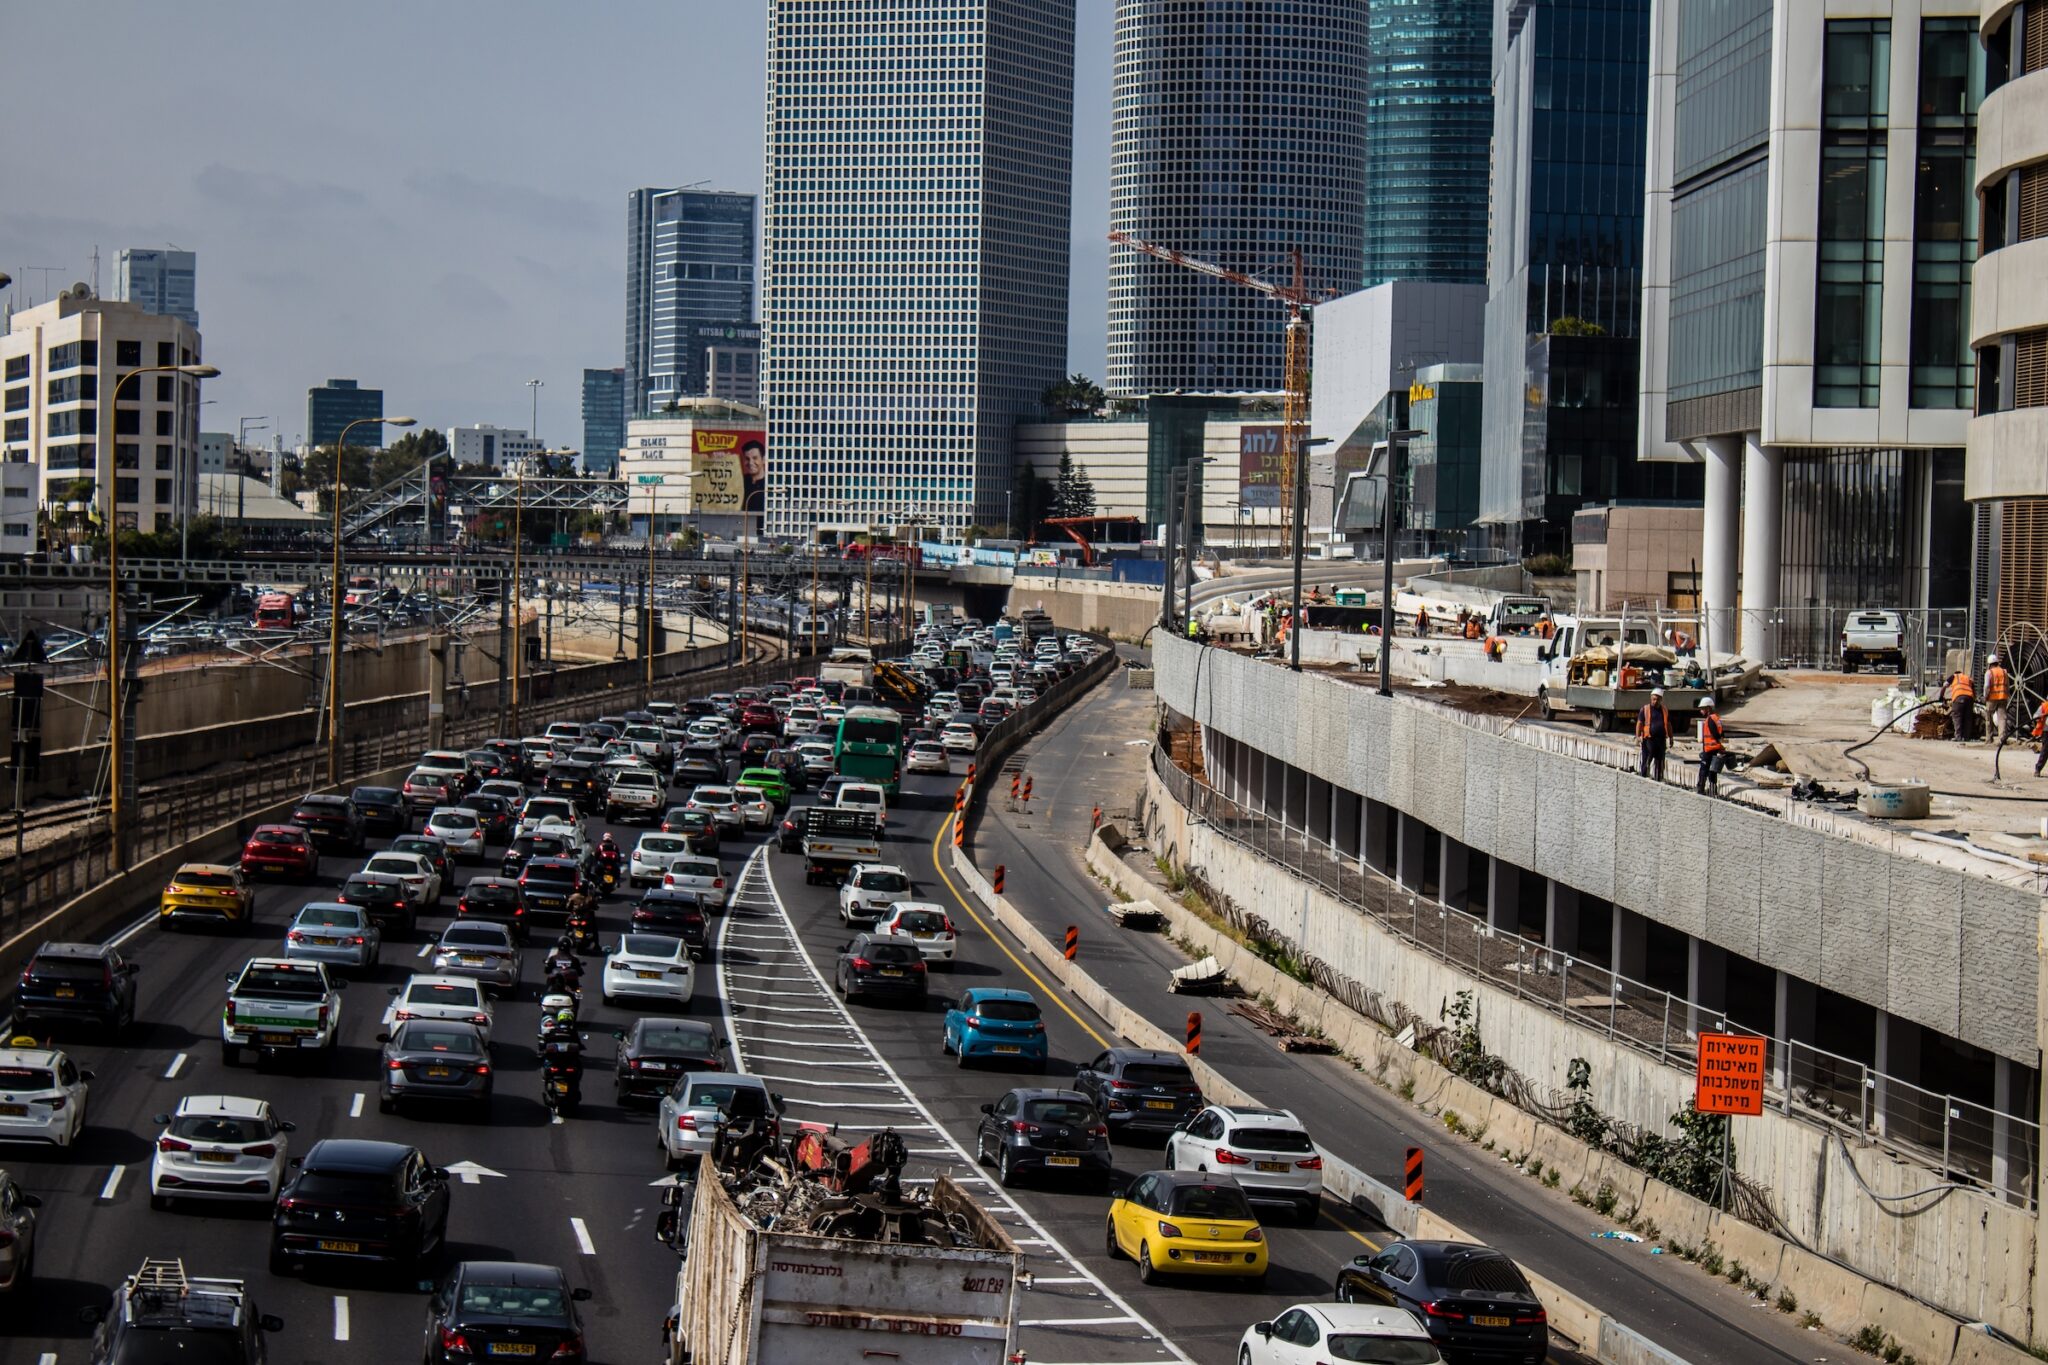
1997	686
1961	686
2041	720
1472	628
1710	733
1643	720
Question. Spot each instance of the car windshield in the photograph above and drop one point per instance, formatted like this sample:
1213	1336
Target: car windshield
192	877
281	983
487	893
1015	1010
363	889
920	922
1073	1112
1381	1350
553	876
713	796
713	1094
219	1128
273	836
655	843
473	936
693	867
512	1301
668	1036
451	994
1289	1140
330	917
417	1037
1210	1201
18	1078
1157	1073
454	819
884	881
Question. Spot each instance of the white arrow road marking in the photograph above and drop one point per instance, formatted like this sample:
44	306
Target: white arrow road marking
469	1173
341	1317
177	1065
355	1106
582	1237
113	1183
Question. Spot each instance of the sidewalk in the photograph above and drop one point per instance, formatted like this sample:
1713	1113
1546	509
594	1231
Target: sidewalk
1096	753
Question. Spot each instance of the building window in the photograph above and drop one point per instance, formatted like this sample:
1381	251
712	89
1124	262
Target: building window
17	367
75	388
166	353
1945	214
17	429
1849	309
128	354
163	457
163	422
163	490
17	399
2033	36
163	388
2030	369
73	354
124	490
73	422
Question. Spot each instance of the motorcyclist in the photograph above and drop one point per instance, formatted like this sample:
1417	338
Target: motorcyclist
563	965
581	928
561	1051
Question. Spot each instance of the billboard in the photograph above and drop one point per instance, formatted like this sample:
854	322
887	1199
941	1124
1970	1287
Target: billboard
1258	466
728	470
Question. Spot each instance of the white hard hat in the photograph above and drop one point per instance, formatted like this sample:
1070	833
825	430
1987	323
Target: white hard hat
1656	691
1706	703
1992	660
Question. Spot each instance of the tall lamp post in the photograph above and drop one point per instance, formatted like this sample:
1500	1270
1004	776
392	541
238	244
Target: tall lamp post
116	815
1297	606
334	595
1397	444
518	605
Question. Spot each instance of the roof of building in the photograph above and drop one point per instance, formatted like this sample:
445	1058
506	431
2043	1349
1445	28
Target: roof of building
238	498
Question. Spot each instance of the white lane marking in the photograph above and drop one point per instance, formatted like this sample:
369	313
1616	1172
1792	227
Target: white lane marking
807	1042
131	931
798	1061
1059	1279
341	1317
47	1358
113	1182
1069	1322
826	1084
425	948
791	1009
355	1106
822	1028
177	1065
583	1241
960	1152
851	1104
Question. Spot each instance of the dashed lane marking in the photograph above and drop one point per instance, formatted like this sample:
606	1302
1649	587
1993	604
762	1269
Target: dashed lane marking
583	1242
177	1065
113	1182
355	1106
341	1317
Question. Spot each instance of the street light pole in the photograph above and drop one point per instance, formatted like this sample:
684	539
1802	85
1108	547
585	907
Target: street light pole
334	596
518	607
534	386
242	461
116	769
1300	608
1397	441
647	622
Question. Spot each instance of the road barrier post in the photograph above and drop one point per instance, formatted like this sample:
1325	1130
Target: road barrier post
1414	1175
959	799
1014	777
959	832
970	773
1194	1032
1027	789
997	884
1073	941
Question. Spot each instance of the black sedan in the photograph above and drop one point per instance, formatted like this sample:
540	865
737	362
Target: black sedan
656	1051
355	1200
678	914
494	813
1054	1131
495	899
1474	1302
333	821
504	1310
385	899
703	833
876	965
384	809
697	771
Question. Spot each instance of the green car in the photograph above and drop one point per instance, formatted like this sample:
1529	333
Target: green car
772	783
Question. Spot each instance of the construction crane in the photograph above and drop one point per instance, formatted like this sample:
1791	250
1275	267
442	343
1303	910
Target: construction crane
1301	300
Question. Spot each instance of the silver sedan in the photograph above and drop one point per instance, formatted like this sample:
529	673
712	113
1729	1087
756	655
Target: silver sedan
480	950
339	935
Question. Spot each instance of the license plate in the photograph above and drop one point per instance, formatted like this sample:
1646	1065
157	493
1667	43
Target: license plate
898	971
1063	1161
1213	1257
13	1111
648	976
437	1073
277	1040
513	1348
349	1247
1159	1104
1008	1048
217	1158
471	960
1274	1166
1490	1320
67	993
326	942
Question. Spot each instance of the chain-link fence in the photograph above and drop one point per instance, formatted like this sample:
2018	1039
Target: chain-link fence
1967	1140
1811	637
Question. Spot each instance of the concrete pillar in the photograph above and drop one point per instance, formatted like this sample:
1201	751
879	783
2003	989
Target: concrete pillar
1453	862
1346	810
1408	834
1319	809
2008	1139
1763	499
1794	1021
1379	851
437	691
1503	895
1628	945
1560	920
1896	1107
1706	985
1719	537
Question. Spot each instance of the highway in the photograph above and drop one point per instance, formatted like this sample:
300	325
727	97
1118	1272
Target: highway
583	1193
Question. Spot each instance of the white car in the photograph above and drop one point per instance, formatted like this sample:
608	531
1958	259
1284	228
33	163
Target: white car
686	1120
831	714
959	738
924	924
869	890
422	882
635	791
756	810
817	756
652	856
720	804
928	758
713	730
539	808
801	720
575	838
218	1147
504	787
871	797
649	967
460	829
427	996
695	872
1311	1333
42	1096
1265	1150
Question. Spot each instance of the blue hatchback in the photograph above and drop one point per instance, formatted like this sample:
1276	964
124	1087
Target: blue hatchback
991	1022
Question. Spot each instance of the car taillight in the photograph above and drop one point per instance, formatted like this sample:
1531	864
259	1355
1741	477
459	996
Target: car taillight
403	1014
718	883
452	1340
572	1349
55	1102
321	1018
483	1068
298	937
686	1123
479	1019
1020	1126
633	1064
171	1144
1122	1085
265	1149
918	965
1167	1229
1437	1310
228	1015
862	964
394	1065
1226	1157
1531	1319
1100	1130
1310	1163
1254	1235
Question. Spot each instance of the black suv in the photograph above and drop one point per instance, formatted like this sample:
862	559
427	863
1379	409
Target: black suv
66	982
697	827
384	809
161	1313
353	1200
496	900
876	964
1140	1090
501	1309
1036	1129
333	821
383	897
576	780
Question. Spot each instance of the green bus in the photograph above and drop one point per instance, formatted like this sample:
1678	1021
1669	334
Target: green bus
869	747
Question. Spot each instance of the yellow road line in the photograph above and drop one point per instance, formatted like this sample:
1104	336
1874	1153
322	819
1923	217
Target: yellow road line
1355	1233
1052	993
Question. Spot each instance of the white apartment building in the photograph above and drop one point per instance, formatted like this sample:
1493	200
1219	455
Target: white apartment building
60	366
497	447
693	468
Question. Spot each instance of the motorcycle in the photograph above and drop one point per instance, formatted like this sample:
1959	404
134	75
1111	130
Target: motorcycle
561	1077
582	934
551	1004
563	975
608	875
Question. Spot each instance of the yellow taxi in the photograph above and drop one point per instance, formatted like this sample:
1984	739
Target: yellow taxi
1187	1223
206	893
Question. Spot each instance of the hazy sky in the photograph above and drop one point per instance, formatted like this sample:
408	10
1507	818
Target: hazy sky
426	195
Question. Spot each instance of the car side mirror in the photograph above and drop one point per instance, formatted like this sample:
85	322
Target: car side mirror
129	969
287	1126
1264	1329
383	1037
618	1035
580	1295
160	1118
1362	1260
270	1322
340	983
440	1173
84	1075
988	1109
231	978
92	1315
31	1201
297	1162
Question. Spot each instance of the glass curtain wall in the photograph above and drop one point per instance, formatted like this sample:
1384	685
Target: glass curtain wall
1945	213
1855	117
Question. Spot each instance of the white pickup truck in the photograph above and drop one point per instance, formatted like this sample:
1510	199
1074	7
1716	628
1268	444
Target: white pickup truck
635	792
1874	637
835	839
279	1004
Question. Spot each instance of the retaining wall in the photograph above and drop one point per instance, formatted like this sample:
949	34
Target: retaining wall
1122	611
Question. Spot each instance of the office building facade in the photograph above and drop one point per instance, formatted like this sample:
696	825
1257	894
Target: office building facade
60	364
1811	235
1237	136
604	420
498	447
919	168
1428	140
690	265
331	407
159	281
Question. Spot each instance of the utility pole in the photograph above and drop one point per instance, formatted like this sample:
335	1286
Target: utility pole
1397	441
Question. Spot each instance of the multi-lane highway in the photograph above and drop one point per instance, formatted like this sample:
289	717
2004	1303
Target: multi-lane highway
584	1192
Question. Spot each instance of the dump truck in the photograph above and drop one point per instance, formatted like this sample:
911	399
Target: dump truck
746	1295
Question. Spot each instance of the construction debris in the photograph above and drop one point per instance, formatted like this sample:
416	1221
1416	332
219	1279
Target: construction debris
1280	1028
1201	978
1135	914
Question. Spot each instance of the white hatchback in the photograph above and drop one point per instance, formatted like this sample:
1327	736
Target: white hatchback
460	829
653	854
422	882
42	1096
923	923
870	889
1313	1332
649	967
695	872
1265	1150
428	996
218	1147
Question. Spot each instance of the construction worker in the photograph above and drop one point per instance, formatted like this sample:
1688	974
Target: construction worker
2041	735
1422	621
1713	748
1653	735
1471	627
1997	701
1546	628
1194	629
1961	695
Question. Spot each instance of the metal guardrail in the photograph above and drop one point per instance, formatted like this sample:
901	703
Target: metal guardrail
1957	1136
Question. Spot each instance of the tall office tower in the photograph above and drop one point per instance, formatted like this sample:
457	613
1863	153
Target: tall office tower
1428	140
332	407
689	266
162	282
604	419
1238	136
919	190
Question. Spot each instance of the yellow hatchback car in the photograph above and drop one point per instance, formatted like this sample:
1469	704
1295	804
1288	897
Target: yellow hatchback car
1187	1223
206	893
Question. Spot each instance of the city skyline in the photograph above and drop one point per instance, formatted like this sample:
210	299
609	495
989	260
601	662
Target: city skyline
467	241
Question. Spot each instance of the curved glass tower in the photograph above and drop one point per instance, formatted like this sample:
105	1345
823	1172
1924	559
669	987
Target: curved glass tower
1428	139
1237	135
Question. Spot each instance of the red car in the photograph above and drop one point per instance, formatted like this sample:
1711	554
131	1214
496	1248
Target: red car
760	717
280	851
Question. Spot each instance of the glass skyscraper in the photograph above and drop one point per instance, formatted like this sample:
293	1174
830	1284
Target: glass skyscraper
164	282
1428	140
1237	136
334	405
689	264
914	305
604	419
